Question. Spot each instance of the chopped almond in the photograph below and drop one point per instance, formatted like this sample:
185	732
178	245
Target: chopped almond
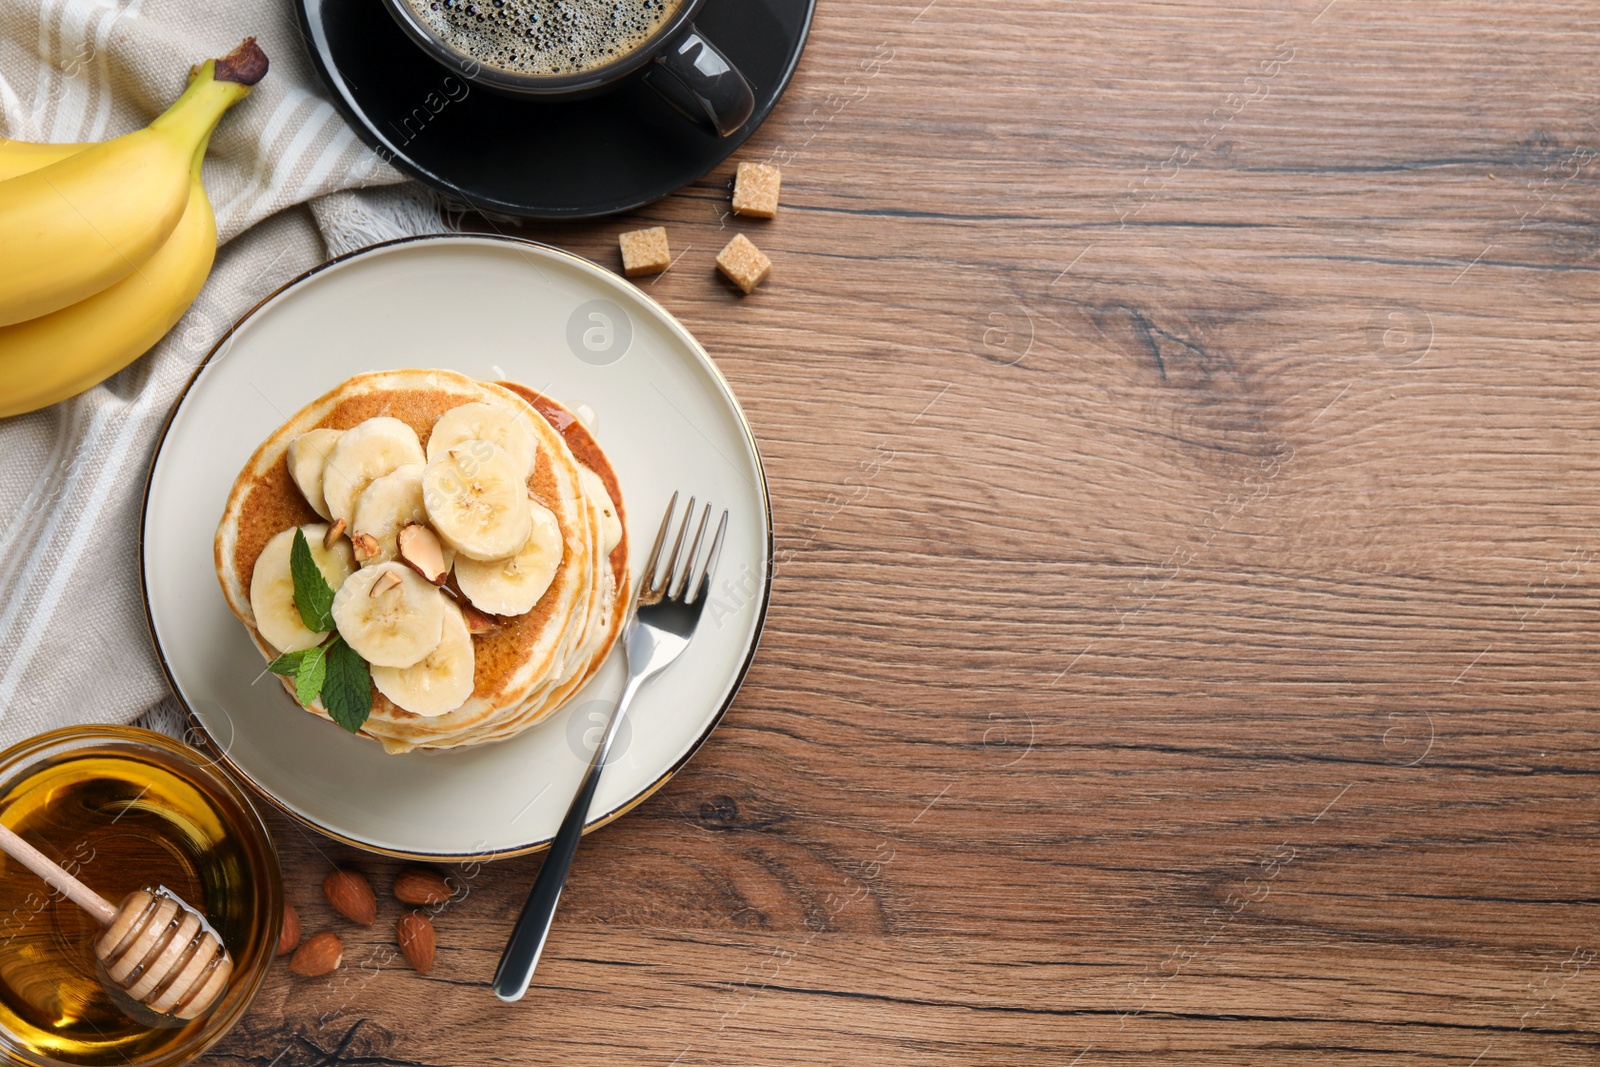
421	550
478	622
387	581
366	546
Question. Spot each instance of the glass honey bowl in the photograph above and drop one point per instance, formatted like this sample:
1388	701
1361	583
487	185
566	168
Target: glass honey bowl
124	809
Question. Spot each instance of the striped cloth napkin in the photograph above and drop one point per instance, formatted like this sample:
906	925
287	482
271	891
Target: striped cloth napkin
283	172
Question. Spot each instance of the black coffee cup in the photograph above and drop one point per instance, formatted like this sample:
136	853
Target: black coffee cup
677	61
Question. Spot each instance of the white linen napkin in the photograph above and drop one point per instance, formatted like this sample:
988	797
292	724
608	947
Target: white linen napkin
282	171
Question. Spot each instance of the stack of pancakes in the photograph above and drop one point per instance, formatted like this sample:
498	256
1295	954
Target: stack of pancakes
524	666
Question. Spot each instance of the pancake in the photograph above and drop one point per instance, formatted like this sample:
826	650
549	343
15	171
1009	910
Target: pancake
524	669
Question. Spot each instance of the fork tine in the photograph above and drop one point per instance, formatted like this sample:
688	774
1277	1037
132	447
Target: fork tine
702	583
694	553
672	562
648	575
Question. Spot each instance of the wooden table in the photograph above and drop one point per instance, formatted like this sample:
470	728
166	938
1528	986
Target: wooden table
1183	644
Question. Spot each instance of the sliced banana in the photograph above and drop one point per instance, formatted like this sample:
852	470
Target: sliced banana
594	487
478	421
386	506
442	681
272	586
307	456
513	586
477	500
389	615
366	451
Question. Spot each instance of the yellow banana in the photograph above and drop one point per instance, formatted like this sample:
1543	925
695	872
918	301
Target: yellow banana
71	229
61	354
20	157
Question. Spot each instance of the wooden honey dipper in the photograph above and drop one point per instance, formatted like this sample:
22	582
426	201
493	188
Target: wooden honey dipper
156	949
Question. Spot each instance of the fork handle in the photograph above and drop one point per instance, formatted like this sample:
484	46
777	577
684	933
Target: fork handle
533	925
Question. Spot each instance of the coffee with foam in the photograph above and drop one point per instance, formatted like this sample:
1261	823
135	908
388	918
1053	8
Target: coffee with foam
545	38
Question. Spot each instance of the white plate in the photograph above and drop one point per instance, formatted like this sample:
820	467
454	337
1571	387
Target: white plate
491	308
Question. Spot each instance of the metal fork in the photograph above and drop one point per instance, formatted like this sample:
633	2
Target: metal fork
661	621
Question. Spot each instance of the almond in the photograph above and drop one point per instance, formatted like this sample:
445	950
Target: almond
351	896
365	545
418	885
334	533
386	581
415	934
419	547
320	955
478	622
290	938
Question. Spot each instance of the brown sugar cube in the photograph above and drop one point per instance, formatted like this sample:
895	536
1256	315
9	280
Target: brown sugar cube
645	251
755	190
745	265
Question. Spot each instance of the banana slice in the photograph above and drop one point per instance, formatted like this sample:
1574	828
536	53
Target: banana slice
594	487
389	615
477	500
308	454
513	586
366	451
272	586
442	681
384	508
501	424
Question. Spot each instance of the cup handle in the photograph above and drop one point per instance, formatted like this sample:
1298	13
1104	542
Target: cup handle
724	98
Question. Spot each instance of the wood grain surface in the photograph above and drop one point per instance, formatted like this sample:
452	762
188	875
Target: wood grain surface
1180	425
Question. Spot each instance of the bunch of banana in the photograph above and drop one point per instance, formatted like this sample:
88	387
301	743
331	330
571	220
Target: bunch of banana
108	243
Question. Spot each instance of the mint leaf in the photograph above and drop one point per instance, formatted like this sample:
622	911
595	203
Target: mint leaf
288	664
309	678
347	686
308	667
312	593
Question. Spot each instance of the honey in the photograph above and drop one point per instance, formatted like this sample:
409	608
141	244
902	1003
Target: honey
121	817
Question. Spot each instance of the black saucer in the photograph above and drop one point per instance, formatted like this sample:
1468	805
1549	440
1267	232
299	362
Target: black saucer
531	158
